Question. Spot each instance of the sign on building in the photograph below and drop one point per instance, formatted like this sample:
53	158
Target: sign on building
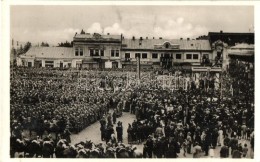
108	64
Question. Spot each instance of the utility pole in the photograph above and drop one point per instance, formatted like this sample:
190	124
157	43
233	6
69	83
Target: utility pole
138	68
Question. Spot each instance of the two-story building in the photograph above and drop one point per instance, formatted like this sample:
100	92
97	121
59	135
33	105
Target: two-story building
164	53
114	51
97	51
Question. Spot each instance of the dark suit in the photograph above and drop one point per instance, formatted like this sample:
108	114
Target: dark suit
224	152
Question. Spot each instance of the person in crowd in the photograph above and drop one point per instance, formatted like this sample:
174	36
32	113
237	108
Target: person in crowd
224	151
197	150
53	101
119	130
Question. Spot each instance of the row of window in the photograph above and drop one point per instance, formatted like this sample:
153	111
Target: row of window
115	53
155	56
96	52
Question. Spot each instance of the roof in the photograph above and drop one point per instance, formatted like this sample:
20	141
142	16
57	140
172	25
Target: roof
49	52
151	43
232	38
96	37
243	46
242	49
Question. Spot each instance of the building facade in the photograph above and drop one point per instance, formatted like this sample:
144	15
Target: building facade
91	51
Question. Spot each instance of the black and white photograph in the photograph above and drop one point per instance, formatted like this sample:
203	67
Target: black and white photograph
132	81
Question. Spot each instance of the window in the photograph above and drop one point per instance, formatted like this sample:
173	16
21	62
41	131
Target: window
188	56
102	52
112	53
178	56
127	55
154	55
137	55
96	52
195	56
81	51
91	52
76	51
144	55
166	45
117	53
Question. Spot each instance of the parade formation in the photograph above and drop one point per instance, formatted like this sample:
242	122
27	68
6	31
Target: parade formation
194	119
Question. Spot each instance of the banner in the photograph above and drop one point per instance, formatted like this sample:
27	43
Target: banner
108	64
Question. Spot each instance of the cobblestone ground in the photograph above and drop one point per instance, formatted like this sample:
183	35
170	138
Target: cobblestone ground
93	133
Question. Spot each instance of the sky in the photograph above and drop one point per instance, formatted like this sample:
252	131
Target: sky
54	24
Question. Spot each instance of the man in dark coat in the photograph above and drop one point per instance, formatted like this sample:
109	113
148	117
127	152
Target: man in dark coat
114	116
103	132
149	146
109	132
224	151
119	131
173	148
206	143
214	138
233	143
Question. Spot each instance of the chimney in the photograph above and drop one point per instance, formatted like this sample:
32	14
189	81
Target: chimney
133	37
153	37
160	37
221	31
141	38
188	39
181	38
108	33
146	37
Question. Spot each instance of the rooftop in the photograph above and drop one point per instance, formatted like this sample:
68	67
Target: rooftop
183	44
49	52
96	37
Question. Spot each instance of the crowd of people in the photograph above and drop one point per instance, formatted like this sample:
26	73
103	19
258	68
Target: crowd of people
192	121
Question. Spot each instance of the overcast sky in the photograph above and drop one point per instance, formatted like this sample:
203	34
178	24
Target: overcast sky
54	24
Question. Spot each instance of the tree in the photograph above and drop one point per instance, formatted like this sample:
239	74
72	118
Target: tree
44	44
65	44
20	50
27	46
